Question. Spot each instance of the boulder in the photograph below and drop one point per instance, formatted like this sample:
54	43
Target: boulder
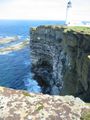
21	105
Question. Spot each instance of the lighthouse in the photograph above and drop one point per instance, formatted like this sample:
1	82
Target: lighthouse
68	13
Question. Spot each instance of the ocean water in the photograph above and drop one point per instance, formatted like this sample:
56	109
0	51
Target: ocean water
15	65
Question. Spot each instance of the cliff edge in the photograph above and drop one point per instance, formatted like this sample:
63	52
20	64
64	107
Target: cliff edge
21	105
61	60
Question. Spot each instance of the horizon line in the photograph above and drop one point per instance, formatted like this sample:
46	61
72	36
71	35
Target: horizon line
41	20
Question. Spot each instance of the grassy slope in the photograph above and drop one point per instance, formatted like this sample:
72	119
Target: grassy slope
84	30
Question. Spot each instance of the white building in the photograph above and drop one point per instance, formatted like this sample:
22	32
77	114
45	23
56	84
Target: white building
68	13
71	22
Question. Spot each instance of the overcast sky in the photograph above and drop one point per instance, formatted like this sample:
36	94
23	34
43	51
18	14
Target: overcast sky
43	9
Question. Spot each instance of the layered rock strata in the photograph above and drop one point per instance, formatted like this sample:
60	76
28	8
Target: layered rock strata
20	105
60	60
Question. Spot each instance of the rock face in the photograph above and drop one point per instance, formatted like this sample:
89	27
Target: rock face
60	60
20	105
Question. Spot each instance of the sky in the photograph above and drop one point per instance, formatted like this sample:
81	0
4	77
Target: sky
44	9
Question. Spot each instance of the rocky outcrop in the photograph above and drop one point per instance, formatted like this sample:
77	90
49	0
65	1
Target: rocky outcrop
20	105
60	60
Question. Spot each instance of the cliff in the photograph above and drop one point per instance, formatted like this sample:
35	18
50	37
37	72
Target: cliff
61	60
20	105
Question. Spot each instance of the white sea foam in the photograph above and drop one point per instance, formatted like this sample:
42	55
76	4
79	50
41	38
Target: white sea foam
5	52
27	63
32	85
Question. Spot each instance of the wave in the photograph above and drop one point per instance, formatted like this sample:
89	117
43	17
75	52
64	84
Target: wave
15	47
31	85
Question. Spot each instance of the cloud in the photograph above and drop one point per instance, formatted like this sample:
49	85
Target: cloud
34	9
43	9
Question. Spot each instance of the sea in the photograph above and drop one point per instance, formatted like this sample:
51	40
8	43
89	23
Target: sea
15	65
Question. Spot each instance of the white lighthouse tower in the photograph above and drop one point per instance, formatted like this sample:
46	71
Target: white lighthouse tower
68	13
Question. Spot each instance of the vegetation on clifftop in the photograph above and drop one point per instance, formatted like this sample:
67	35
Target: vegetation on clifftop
84	30
80	29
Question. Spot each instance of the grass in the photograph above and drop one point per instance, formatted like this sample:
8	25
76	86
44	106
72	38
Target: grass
86	115
27	94
80	29
84	30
